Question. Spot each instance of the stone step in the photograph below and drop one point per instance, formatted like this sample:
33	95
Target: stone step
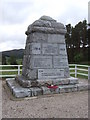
29	83
17	90
20	92
63	81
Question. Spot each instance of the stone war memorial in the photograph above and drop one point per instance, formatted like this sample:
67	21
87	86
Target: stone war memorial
45	62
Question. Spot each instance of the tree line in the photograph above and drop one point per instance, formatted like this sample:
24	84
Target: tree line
78	42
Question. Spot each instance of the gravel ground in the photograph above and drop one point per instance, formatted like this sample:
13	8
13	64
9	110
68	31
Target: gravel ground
66	105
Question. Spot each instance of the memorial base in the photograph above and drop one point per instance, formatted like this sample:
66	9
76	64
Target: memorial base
62	86
42	82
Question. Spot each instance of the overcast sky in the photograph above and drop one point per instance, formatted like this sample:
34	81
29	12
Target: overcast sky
16	15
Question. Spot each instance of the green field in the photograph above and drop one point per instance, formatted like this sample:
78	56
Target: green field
80	71
10	68
79	76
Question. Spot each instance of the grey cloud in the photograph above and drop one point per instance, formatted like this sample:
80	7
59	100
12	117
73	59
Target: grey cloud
73	15
21	12
14	39
16	12
12	42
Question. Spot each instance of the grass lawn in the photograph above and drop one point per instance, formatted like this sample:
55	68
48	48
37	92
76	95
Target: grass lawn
80	71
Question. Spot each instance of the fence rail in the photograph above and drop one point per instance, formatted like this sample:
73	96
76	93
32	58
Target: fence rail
75	69
80	70
5	71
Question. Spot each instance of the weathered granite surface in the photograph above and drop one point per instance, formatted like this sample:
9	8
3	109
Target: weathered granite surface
26	83
46	25
45	49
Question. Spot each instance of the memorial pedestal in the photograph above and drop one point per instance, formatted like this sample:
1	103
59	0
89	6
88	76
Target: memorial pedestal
72	85
45	59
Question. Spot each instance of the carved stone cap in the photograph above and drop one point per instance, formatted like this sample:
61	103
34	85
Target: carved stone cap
46	24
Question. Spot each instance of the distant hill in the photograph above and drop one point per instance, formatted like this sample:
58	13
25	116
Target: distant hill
18	53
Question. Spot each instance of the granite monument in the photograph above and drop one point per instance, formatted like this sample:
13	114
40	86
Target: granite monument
45	61
45	56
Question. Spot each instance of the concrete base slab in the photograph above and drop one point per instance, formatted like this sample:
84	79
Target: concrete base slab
68	88
36	91
82	87
20	92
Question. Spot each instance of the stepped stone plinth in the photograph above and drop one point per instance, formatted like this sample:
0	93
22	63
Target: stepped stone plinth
45	61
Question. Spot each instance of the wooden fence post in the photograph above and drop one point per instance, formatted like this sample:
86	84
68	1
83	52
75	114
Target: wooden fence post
75	70
18	69
89	73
